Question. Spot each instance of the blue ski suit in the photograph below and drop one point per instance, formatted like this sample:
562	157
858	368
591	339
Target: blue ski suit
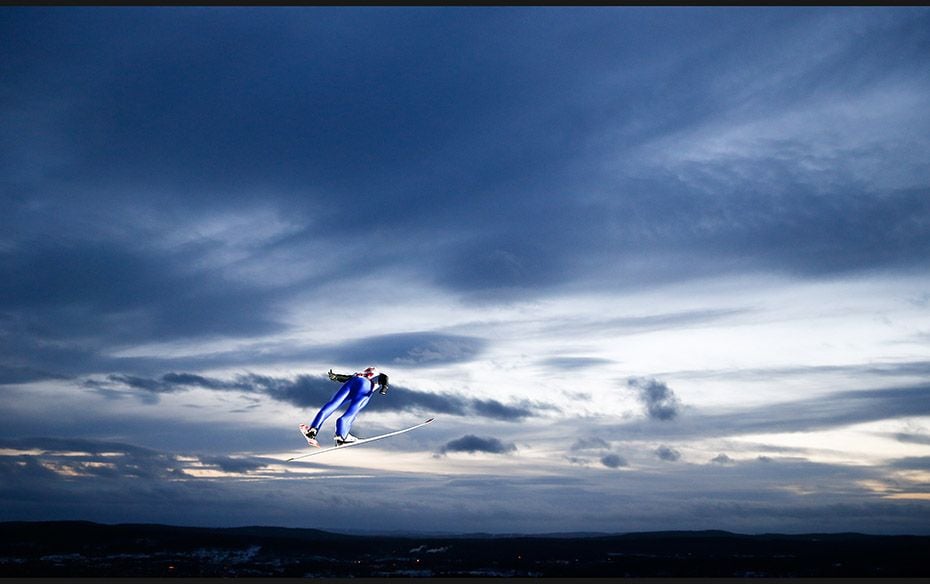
357	391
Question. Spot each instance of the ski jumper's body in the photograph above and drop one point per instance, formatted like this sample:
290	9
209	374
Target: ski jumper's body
357	391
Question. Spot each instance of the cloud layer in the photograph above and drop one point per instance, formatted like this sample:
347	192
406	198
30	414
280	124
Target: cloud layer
648	268
306	391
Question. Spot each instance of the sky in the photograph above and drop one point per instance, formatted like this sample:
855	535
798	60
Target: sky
649	268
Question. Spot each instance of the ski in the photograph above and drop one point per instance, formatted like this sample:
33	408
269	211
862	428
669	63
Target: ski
362	441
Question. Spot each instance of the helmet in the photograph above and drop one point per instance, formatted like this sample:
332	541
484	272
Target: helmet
369	372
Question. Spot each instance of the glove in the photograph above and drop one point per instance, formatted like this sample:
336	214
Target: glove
340	377
383	382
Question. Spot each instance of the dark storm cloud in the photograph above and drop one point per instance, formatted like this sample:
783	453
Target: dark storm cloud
832	239
660	401
415	349
308	391
499	154
485	181
316	99
65	304
31	339
472	444
13	375
86	288
481	181
302	391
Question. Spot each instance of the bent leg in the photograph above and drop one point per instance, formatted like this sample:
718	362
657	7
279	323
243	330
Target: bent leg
344	423
331	406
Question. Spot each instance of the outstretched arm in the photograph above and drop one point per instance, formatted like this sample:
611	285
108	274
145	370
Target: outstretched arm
340	377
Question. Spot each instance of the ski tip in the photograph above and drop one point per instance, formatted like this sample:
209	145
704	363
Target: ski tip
428	421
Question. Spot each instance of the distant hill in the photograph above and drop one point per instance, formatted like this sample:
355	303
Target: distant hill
85	549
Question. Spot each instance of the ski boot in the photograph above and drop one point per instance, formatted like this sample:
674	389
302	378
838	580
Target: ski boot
310	434
347	439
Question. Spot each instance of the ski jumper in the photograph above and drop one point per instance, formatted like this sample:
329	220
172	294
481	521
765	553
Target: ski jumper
357	391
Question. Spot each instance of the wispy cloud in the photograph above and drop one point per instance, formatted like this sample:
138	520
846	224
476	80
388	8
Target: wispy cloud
828	411
307	391
563	363
411	349
823	412
893	369
645	323
582	444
